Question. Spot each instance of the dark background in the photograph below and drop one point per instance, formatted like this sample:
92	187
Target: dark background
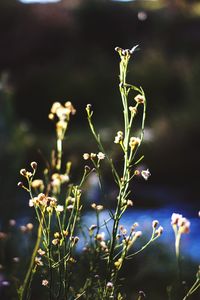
65	51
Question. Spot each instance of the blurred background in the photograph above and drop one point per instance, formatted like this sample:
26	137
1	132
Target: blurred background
64	51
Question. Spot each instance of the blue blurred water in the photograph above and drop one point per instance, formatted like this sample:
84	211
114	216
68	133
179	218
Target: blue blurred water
165	202
190	243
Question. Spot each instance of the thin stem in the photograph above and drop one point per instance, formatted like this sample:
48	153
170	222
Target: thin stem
194	287
23	289
59	154
177	249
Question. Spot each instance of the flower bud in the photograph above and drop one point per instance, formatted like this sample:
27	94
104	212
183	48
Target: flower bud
76	239
86	156
109	285
20	184
34	165
23	172
159	231
139	98
138	234
155	223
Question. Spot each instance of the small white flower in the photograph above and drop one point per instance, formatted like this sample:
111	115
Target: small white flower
55	241
31	203
59	208
145	174
118	137
38	261
16	259
175	218
45	282
70	207
41	252
101	155
184	225
86	156
139	98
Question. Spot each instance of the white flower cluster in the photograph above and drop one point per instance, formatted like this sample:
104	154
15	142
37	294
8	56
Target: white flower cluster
180	223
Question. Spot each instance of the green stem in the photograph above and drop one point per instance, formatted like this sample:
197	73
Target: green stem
177	249
126	175
59	154
23	289
194	287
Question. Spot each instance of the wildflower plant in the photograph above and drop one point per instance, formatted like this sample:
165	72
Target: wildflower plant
118	248
181	226
57	202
